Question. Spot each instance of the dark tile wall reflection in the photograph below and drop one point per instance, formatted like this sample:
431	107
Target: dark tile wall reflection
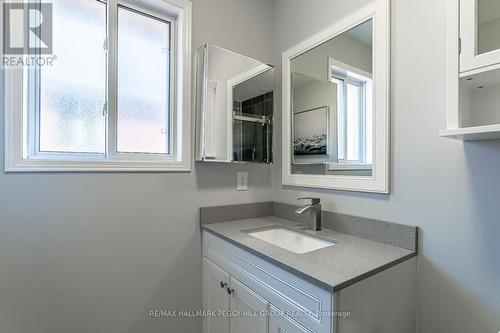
252	142
261	105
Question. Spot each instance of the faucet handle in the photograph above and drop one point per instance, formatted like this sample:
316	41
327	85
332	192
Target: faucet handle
314	201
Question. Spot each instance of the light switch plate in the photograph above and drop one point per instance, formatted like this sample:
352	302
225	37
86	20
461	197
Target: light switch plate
242	181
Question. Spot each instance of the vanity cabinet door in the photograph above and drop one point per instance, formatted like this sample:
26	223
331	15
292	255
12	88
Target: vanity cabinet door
284	324
215	298
251	310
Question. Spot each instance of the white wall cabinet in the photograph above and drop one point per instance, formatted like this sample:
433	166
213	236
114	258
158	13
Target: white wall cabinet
479	34
473	70
260	297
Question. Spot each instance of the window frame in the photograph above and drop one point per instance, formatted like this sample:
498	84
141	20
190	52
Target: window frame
19	146
113	140
355	77
32	85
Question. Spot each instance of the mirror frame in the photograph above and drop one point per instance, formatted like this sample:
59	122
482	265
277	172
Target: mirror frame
379	11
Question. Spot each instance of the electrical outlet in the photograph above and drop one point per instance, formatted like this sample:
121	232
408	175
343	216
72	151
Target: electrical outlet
242	181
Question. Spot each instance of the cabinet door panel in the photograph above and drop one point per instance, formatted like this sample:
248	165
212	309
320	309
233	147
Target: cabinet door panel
479	24
251	309
278	286
284	324
215	297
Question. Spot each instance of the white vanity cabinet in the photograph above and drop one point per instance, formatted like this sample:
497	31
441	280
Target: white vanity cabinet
215	297
224	295
252	307
248	294
238	309
283	323
254	285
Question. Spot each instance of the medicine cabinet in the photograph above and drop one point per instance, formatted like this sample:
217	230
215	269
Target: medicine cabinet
234	107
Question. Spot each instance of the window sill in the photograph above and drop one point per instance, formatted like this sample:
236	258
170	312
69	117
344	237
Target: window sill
39	165
349	167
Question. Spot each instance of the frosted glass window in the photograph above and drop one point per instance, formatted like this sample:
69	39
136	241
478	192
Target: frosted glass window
143	111
353	122
73	90
112	90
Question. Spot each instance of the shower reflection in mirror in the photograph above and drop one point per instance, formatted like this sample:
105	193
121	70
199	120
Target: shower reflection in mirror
234	107
332	102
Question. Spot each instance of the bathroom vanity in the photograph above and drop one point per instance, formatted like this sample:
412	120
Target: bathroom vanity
265	269
270	274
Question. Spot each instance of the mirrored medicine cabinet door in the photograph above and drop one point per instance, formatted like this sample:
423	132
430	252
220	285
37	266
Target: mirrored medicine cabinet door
234	107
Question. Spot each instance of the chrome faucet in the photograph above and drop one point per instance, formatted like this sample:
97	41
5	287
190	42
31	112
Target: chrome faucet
314	209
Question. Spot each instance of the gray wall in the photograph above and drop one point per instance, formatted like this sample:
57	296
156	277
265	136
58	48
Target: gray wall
97	252
449	189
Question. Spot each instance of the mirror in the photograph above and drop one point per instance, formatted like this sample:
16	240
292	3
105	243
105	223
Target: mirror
335	105
331	105
253	119
488	25
234	107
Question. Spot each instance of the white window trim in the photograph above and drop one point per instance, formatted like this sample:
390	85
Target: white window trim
15	119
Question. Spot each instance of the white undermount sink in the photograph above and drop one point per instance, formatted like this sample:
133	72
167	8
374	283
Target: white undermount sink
290	240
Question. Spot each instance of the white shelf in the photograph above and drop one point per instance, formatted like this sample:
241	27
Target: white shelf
473	80
476	133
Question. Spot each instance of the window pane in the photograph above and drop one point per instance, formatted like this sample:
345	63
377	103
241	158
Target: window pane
72	91
143	83
368	123
353	122
340	119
